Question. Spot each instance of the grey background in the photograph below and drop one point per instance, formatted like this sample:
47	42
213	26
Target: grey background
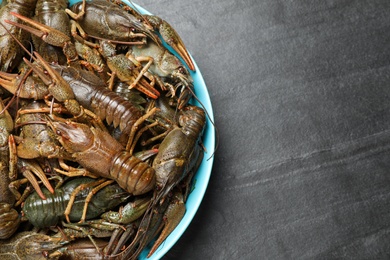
300	91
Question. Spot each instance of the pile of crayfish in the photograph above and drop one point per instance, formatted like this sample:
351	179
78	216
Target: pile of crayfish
98	138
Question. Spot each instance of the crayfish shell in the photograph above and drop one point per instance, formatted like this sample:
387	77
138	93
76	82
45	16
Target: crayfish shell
9	220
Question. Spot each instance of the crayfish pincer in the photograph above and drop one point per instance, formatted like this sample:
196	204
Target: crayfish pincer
98	152
51	13
10	51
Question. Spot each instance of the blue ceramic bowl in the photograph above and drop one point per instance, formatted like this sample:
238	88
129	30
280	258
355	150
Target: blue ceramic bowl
202	177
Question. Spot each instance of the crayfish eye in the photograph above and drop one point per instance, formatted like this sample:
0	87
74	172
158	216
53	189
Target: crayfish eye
58	132
132	29
181	70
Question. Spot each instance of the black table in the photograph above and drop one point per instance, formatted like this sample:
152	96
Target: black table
300	91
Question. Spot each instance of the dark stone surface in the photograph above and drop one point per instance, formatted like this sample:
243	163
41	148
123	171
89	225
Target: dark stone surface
300	91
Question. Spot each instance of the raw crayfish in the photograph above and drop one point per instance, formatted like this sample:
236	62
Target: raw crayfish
62	117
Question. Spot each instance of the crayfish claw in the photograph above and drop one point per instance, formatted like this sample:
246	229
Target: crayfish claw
29	168
8	80
48	34
144	87
171	37
172	217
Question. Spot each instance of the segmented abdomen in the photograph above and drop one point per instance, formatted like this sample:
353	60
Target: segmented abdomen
91	92
115	109
132	174
45	213
9	220
52	6
193	121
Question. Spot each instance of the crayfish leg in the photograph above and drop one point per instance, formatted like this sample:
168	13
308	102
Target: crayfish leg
124	236
113	240
13	158
73	172
75	192
134	128
145	87
96	121
14	187
78	15
143	71
84	232
89	197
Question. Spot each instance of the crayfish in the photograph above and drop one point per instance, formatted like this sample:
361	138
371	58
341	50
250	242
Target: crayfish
99	138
